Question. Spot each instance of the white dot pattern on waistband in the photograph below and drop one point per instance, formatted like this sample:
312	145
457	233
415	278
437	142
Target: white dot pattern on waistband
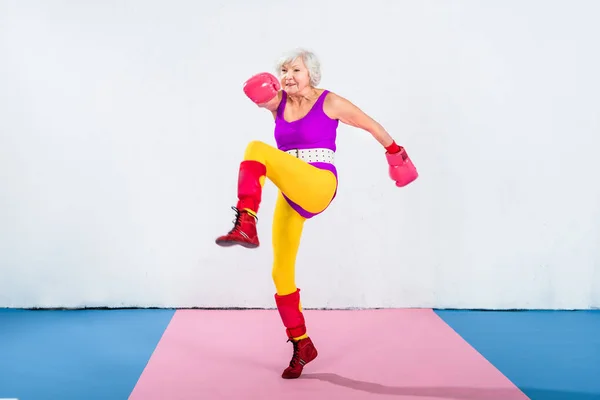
314	155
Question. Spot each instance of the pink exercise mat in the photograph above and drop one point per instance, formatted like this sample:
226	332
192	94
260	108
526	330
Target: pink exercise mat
408	354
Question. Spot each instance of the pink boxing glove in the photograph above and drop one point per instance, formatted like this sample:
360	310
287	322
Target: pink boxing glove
401	170
261	87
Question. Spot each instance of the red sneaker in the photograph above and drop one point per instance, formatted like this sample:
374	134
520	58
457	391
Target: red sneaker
304	352
243	232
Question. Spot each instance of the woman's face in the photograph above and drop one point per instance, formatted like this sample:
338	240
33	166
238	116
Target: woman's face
294	76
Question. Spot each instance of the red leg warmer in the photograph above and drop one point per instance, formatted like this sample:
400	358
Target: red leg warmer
292	317
249	187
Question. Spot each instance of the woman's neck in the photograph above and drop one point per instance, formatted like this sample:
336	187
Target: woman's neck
307	96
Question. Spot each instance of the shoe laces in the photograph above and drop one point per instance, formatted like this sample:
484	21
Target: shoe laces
237	221
296	356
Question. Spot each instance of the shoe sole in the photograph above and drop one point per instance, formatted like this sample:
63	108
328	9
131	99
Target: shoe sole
233	243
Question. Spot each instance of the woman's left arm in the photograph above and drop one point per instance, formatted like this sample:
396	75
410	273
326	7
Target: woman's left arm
401	168
337	107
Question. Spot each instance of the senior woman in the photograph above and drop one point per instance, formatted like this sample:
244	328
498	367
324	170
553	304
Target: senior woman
302	168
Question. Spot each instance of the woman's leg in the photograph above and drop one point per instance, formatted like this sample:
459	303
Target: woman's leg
286	235
287	232
308	186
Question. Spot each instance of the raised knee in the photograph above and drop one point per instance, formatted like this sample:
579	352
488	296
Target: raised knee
253	148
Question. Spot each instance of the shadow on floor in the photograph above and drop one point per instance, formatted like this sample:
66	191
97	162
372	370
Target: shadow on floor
458	393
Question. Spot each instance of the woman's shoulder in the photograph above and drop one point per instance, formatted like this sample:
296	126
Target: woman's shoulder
331	97
332	102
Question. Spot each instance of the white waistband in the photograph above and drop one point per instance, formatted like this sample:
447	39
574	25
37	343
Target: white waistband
314	155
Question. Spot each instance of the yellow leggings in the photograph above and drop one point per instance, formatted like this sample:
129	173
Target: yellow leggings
309	187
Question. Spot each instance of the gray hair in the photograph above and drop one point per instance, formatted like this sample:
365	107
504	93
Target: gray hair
309	58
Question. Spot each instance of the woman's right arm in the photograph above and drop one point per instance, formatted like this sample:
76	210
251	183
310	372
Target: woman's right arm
272	104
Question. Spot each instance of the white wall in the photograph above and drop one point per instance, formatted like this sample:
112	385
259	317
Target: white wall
122	125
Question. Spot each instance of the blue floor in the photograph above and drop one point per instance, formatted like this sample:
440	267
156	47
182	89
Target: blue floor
51	354
549	355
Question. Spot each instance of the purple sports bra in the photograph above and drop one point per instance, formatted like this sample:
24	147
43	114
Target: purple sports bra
315	130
